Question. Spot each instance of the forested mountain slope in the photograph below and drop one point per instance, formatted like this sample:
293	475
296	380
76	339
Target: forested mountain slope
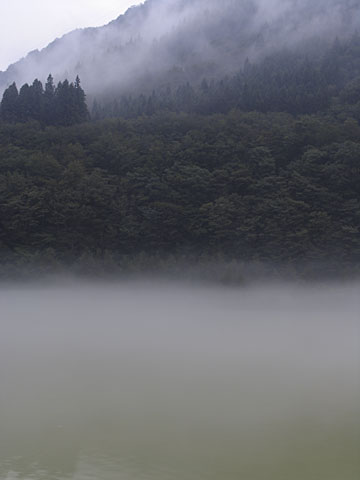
175	41
223	133
291	81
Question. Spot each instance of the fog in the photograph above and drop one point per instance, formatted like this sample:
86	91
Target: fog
164	380
174	41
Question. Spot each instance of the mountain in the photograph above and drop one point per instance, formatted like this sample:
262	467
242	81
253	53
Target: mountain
174	41
222	134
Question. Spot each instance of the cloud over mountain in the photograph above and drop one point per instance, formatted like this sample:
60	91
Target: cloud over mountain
172	41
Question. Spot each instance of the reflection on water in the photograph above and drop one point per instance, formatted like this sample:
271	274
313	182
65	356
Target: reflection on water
155	382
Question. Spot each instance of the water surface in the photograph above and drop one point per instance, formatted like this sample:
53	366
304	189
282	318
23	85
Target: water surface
161	381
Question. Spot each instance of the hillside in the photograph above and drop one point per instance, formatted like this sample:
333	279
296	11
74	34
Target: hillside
227	149
174	41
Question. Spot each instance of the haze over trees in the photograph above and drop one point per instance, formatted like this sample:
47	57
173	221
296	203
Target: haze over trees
295	82
245	158
179	41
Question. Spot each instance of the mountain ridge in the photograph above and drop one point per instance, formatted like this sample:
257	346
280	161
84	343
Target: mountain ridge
178	40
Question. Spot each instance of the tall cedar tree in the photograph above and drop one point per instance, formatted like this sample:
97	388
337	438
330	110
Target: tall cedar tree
9	104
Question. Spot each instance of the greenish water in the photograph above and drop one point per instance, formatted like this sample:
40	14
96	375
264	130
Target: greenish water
162	381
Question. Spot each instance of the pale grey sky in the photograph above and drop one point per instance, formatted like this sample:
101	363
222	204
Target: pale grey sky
27	25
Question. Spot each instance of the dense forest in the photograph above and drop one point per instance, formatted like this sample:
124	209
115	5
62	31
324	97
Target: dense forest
261	167
64	104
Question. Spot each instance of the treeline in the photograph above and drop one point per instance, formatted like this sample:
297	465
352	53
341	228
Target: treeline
64	104
289	81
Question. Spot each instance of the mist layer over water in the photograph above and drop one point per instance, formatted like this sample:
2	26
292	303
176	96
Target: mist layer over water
163	381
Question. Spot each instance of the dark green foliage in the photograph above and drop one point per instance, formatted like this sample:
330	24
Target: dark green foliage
63	105
277	184
249	186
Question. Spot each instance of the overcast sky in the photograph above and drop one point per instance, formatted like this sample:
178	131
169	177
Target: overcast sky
27	25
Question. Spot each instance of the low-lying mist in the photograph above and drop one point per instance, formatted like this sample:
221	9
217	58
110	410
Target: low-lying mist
162	380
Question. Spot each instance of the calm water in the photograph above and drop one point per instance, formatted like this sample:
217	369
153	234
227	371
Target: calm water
161	381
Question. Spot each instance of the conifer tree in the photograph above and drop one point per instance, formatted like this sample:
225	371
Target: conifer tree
82	113
24	103
49	87
63	107
37	99
9	104
49	115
